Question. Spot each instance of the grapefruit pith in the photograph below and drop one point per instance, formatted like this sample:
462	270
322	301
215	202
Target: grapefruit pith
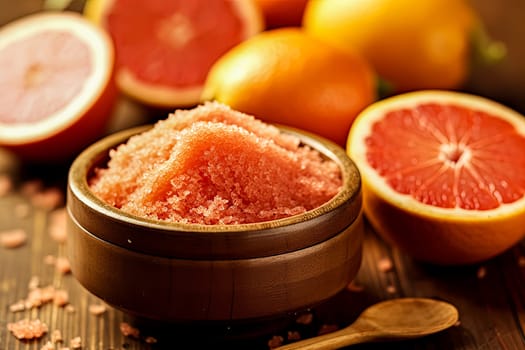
56	75
443	174
165	48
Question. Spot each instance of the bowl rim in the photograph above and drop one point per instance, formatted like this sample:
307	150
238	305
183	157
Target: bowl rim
83	205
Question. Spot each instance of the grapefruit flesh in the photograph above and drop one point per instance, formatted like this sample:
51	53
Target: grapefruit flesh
443	174
39	75
453	156
165	48
57	86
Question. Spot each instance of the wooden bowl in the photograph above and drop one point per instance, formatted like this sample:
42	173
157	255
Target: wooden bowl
183	273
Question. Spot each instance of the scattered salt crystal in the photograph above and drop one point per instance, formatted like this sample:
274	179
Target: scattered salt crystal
34	282
13	238
293	335
27	329
39	296
521	261
61	297
57	225
75	343
50	259
22	210
390	289
31	187
305	318
128	330
275	341
48	346
70	309
6	184
63	265
354	287
97	309
48	199
56	336
385	264
150	340
17	306
327	328
481	273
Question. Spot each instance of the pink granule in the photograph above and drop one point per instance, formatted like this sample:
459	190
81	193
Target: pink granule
27	329
213	165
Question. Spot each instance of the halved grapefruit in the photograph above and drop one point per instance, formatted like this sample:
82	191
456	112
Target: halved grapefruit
443	174
165	48
57	89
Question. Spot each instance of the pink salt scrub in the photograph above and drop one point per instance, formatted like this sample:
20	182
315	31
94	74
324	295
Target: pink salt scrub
213	165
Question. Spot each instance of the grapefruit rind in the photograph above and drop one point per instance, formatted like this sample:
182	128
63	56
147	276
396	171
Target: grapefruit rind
169	96
102	57
445	236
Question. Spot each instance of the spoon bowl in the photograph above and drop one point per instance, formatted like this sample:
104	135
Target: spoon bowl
395	319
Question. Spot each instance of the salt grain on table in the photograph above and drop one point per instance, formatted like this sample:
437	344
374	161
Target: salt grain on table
293	335
27	329
305	319
385	265
128	330
75	343
354	287
31	187
150	340
63	265
57	225
390	289
56	336
48	346
34	282
13	238
61	297
275	341
327	328
22	210
482	272
97	309
6	184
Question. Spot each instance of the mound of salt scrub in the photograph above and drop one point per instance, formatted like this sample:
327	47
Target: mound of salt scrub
213	165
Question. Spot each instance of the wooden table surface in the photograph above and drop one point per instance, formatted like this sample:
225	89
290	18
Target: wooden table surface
490	296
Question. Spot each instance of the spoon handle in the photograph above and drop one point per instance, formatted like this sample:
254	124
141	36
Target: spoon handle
334	340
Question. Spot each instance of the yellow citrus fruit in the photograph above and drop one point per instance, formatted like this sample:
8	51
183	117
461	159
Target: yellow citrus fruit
164	49
443	174
284	76
411	44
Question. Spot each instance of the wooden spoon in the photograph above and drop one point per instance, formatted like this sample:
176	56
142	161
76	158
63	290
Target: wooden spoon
394	319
